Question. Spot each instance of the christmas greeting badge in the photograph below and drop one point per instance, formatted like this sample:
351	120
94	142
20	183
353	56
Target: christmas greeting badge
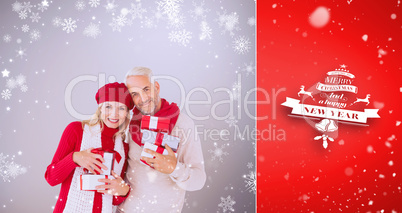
332	101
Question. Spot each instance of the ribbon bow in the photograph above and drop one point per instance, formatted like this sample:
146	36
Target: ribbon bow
100	151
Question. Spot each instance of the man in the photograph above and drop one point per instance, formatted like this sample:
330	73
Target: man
163	187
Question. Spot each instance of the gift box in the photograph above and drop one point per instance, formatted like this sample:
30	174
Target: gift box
159	139
109	156
88	182
155	148
155	123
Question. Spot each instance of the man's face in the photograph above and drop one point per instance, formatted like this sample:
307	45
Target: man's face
145	94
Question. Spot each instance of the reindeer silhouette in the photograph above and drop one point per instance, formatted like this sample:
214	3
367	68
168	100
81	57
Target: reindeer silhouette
304	92
365	100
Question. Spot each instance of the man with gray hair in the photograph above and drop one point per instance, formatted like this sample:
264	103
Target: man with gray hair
163	187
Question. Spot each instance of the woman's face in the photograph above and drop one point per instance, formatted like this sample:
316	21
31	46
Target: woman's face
113	114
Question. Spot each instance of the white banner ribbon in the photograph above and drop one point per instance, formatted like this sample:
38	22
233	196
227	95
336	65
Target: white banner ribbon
330	113
334	88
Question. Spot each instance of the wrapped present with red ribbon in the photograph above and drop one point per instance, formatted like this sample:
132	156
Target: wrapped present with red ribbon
88	182
159	139
158	124
109	156
155	148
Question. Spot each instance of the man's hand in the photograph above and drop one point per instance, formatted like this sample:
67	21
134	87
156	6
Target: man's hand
89	160
116	187
162	163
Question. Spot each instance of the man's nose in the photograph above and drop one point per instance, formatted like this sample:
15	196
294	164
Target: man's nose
144	97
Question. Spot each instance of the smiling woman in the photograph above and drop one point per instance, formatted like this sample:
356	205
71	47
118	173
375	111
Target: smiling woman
76	155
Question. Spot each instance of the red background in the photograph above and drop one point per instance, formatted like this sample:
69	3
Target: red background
298	174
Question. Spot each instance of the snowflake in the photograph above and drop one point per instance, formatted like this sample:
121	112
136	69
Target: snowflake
27	6
92	30
21	53
169	7
115	26
20	79
57	22
10	169
43	6
11	83
110	6
182	37
23	14
69	25
176	22
94	3
149	23
199	11
121	20
231	121
25	28
218	152
206	31
24	88
250	165
35	34
249	69
136	11
251	181
17	6
236	88
227	204
35	17
241	45
6	94
251	21
229	22
7	38
80	5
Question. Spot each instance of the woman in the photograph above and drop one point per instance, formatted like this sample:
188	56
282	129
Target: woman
104	130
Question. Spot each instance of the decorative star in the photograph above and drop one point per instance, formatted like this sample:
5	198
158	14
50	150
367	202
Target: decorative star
343	66
5	73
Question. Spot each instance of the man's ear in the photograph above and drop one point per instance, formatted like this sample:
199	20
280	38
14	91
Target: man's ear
157	86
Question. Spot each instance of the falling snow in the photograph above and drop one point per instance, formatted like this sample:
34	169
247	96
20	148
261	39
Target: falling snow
229	23
218	152
7	38
6	94
231	121
249	69
206	31
43	6
24	88
94	3
251	181
25	28
35	34
21	52
241	45
110	6
57	21
35	17
170	8
199	11
92	30
181	37
9	169
176	22
137	11
69	25
80	5
251	21
17	6
227	204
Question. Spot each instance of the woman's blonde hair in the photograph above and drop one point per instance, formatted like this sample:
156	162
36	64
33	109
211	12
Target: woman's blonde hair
96	119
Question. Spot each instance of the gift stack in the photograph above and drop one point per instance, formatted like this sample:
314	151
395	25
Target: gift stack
154	136
89	181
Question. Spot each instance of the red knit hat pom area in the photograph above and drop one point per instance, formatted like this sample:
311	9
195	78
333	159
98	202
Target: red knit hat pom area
117	92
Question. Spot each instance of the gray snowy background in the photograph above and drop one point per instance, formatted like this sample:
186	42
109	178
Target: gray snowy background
54	55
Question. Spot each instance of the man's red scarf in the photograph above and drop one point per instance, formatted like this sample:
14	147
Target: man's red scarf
167	110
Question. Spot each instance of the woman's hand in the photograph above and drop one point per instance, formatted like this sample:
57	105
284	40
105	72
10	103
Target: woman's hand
116	187
89	160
